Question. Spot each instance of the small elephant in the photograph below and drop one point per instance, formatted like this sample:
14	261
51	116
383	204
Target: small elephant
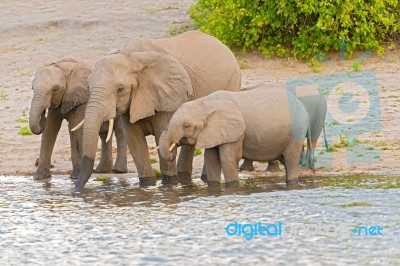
260	125
316	107
146	82
60	89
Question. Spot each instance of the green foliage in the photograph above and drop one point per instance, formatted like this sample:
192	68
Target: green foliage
3	95
198	152
25	131
153	160
157	173
22	119
174	30
299	28
356	65
102	178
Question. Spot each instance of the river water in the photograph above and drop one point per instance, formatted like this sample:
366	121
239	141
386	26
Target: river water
120	223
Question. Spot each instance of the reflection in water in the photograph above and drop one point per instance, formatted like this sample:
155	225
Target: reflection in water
122	223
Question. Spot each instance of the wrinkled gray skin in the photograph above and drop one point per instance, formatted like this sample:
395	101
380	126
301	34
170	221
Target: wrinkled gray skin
259	125
316	107
62	90
146	82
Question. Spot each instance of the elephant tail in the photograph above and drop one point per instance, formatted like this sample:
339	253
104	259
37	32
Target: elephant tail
309	160
325	140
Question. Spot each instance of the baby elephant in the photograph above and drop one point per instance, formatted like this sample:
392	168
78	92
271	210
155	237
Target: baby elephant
262	124
61	89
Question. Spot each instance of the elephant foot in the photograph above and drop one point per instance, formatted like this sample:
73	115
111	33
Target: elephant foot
120	170
291	182
42	173
232	184
103	169
247	166
203	177
37	163
213	184
147	181
184	178
169	180
273	167
75	173
120	166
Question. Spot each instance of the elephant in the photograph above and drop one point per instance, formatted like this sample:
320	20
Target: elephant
60	89
316	107
145	82
262	124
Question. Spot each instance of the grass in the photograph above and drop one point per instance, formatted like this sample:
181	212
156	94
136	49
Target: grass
25	131
153	160
344	142
356	65
22	119
174	30
198	152
7	107
157	173
356	204
102	178
315	66
334	123
339	90
3	96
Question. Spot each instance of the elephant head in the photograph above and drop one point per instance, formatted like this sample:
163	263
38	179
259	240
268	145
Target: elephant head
61	84
204	123
141	83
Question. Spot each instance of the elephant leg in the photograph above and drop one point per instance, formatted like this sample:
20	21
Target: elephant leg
230	155
120	165
273	166
74	118
203	176
49	137
185	163
105	164
291	157
213	166
247	165
136	140
76	152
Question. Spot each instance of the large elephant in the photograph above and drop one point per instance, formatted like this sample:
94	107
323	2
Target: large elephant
316	107
146	82
61	89
259	125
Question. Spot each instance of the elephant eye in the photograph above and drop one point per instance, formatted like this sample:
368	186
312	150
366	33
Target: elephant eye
55	88
120	89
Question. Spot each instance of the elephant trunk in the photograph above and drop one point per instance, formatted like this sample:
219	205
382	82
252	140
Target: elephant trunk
167	139
37	114
97	111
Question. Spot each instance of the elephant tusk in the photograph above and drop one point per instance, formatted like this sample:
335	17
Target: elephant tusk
156	148
110	129
172	146
78	126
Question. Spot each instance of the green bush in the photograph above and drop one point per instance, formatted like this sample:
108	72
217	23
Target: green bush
299	28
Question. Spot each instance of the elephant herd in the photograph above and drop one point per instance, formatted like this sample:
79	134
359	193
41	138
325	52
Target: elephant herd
184	90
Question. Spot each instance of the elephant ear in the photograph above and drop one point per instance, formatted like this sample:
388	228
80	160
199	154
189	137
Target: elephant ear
224	124
163	84
77	91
